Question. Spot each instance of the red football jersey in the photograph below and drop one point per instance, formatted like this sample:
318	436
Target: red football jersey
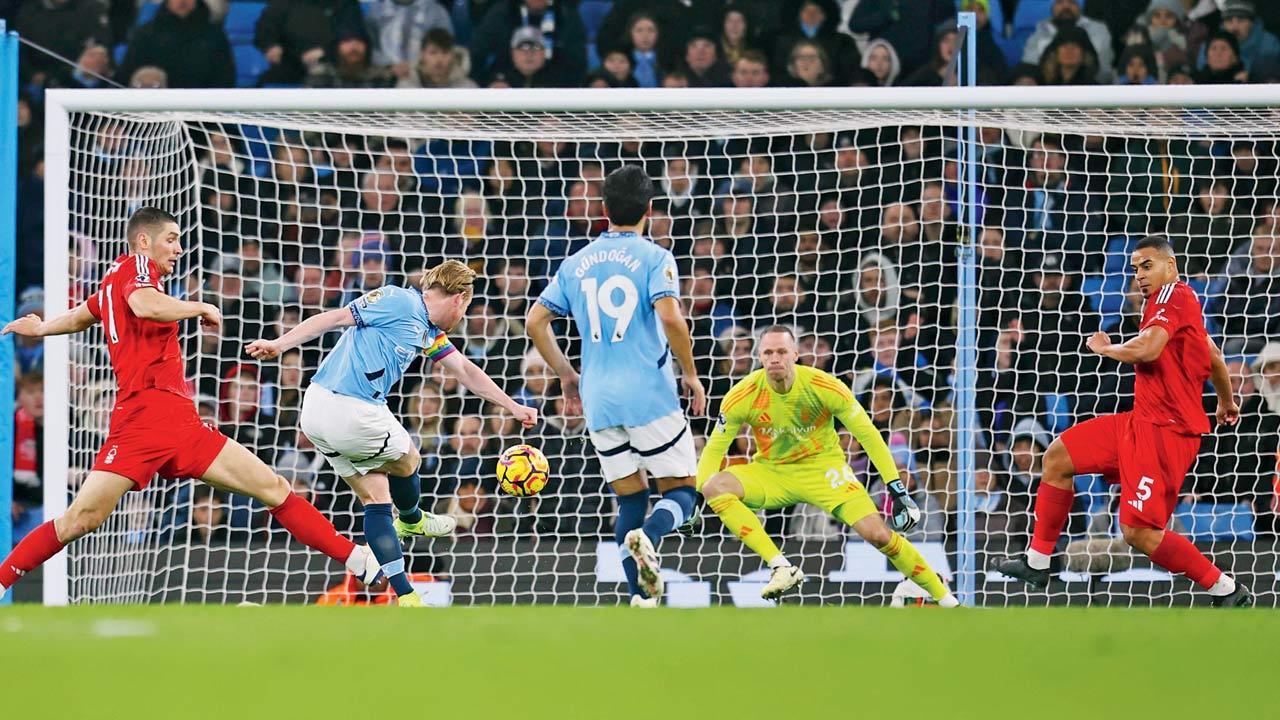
1169	390
144	353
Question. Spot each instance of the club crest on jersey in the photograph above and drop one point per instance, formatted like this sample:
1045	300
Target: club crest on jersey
111	455
720	422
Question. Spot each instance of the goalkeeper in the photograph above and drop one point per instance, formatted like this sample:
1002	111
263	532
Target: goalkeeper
791	411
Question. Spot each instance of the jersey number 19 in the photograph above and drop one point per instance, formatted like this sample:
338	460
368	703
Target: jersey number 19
600	298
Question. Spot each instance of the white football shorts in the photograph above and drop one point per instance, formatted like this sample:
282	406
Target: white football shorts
662	448
355	436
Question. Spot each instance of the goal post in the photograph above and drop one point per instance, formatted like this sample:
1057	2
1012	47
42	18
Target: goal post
842	211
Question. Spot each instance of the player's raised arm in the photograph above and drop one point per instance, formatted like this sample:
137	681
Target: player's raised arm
538	327
150	304
1228	412
309	329
72	321
477	381
677	331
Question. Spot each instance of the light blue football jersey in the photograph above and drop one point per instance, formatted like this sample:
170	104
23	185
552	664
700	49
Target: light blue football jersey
391	328
609	288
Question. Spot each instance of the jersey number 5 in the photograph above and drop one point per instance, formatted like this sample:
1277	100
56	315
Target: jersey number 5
600	299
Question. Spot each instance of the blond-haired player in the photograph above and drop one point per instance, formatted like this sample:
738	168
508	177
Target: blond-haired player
791	411
345	414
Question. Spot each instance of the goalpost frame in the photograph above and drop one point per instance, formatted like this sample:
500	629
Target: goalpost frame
60	103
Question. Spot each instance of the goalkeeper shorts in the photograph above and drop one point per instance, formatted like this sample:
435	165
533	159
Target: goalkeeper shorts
823	483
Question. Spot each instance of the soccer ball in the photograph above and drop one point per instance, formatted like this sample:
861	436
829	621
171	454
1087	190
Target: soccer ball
522	471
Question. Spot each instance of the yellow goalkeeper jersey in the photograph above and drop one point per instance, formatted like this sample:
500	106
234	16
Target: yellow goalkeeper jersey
798	426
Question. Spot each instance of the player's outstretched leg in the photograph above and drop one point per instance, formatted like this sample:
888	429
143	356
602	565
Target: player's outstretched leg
724	495
1175	553
380	532
95	501
1053	504
861	515
406	494
669	513
237	470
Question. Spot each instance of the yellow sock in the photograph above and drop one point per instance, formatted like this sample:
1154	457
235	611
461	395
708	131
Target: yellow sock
911	563
742	522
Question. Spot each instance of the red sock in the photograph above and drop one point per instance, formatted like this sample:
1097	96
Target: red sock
1177	555
1053	504
304	522
39	545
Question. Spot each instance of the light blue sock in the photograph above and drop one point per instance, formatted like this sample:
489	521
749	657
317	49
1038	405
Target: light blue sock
631	511
381	535
669	513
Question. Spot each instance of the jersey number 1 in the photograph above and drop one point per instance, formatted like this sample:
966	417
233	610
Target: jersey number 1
600	299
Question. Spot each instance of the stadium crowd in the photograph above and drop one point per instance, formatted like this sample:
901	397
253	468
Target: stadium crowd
848	237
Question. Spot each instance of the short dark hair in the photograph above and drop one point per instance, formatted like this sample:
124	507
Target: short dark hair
627	192
784	329
146	220
1159	242
439	37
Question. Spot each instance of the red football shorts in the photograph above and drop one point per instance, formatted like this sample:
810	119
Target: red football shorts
157	432
1150	463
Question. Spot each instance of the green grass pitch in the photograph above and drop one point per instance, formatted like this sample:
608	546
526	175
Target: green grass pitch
553	662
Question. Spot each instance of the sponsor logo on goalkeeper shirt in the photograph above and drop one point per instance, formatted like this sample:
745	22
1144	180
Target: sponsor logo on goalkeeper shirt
794	430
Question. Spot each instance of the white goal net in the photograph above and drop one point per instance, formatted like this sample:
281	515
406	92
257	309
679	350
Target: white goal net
846	223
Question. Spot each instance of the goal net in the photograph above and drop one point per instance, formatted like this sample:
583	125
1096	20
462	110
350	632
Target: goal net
848	221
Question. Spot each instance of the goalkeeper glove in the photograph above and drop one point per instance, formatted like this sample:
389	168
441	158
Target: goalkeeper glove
906	514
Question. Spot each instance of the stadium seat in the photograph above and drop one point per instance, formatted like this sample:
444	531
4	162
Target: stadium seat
250	64
146	12
1025	18
1215	521
242	18
593	13
593	57
117	53
257	141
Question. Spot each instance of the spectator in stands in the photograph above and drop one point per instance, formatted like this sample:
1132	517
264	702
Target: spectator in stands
29	351
208	517
1166	25
491	340
817	21
560	32
149	77
899	22
1050	212
64	26
735	359
938	71
751	70
701	302
528	65
882	61
893	358
1065	15
296	35
424	419
808	65
1206	236
399	30
289	397
786	304
736	34
242	414
617	68
28	455
877	298
537	377
93	69
180	40
1070	59
349	66
702	63
675	18
441	64
1248	305
1051	364
263	278
649	56
567	234
1222	63
462	459
510	289
899	242
573	504
474	507
1257	48
686	193
1138	66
